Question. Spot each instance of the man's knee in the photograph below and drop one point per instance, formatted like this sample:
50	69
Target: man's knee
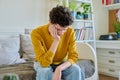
76	68
42	73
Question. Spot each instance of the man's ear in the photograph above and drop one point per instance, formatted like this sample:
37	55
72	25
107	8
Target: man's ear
50	22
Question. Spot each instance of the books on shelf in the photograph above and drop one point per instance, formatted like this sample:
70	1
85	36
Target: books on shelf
85	33
109	2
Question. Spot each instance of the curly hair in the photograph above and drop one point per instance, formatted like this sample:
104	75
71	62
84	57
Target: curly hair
61	15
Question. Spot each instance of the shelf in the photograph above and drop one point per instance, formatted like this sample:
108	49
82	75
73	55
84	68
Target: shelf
113	6
85	41
84	28
107	44
84	1
83	20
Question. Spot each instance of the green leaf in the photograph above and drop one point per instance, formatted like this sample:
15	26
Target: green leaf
72	5
116	26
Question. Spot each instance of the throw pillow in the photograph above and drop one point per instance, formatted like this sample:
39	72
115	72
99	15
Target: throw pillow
9	48
26	46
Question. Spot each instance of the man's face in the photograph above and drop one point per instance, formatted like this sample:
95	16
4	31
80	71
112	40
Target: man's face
60	29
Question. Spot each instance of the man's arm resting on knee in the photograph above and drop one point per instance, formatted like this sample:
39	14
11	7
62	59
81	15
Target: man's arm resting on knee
59	69
64	65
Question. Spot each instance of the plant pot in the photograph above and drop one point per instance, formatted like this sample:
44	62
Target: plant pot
85	16
79	15
73	13
118	35
88	16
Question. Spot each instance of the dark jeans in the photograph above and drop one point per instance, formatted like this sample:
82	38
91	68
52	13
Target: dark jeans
54	66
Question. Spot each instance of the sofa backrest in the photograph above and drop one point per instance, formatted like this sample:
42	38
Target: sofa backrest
23	49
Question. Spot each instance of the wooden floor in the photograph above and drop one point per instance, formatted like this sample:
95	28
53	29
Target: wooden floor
104	77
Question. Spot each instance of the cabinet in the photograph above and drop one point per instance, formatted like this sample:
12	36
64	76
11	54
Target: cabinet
108	53
83	21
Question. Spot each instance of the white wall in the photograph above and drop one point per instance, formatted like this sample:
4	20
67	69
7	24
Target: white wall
100	18
16	15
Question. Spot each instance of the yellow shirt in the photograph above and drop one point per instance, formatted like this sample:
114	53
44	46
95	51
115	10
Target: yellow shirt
42	40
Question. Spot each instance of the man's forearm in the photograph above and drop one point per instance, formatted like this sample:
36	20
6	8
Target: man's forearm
65	65
59	69
54	46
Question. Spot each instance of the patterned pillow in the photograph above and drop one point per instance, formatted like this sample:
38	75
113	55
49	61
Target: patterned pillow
26	46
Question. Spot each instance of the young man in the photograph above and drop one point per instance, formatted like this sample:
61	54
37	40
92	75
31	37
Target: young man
55	48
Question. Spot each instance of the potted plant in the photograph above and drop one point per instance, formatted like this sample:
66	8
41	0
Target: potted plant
116	26
86	10
79	11
72	7
76	9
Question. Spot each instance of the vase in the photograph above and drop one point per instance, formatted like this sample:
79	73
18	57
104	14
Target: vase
118	35
86	16
73	13
79	15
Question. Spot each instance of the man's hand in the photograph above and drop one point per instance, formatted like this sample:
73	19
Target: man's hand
58	71
57	74
53	32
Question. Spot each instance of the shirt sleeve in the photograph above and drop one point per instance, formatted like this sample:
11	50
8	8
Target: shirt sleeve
73	55
42	55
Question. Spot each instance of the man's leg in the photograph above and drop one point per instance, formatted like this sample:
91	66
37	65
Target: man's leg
42	73
73	73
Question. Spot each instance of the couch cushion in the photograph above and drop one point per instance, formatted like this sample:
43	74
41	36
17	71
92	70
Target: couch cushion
26	47
9	48
87	67
25	71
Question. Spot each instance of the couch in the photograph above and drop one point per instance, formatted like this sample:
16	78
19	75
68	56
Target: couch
17	58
